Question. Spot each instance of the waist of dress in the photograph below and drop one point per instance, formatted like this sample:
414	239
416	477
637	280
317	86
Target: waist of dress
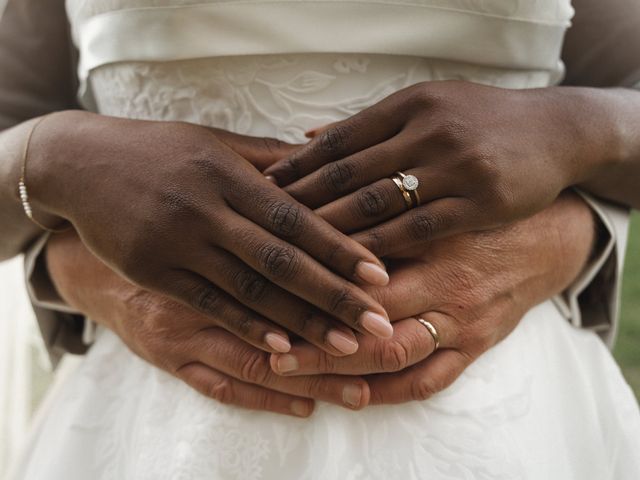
275	27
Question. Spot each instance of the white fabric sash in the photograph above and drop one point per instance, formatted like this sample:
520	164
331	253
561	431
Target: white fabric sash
278	27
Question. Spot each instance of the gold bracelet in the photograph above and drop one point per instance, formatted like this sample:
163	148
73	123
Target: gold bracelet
22	185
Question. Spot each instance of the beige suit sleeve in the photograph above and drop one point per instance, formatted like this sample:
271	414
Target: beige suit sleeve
593	300
63	329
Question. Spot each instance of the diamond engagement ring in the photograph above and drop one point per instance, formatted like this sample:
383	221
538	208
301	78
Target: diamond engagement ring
408	186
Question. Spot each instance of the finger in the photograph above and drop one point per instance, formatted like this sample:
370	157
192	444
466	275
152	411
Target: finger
288	311
261	152
239	360
205	297
282	216
230	391
420	381
369	127
411	343
314	132
298	273
380	201
345	175
440	218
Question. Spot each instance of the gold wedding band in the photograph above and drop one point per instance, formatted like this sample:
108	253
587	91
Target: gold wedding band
408	186
432	330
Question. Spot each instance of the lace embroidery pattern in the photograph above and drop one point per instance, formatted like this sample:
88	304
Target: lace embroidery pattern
275	95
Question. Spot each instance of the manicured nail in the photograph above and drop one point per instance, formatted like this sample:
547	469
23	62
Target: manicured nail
271	179
352	395
278	342
372	273
300	408
342	342
287	363
376	324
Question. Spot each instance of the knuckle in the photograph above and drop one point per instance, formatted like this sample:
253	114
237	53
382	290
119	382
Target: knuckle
393	357
451	134
337	177
334	140
423	389
373	202
375	242
255	368
285	219
292	165
206	299
325	363
281	262
221	390
249	285
303	322
204	165
271	145
336	253
244	325
341	300
425	225
177	204
316	386
502	199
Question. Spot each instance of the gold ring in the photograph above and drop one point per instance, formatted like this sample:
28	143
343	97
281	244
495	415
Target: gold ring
405	194
432	330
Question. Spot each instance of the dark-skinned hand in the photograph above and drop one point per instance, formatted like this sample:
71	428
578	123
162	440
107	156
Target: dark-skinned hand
484	157
174	209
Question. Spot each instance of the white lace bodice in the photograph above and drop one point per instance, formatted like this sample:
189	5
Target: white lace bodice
274	95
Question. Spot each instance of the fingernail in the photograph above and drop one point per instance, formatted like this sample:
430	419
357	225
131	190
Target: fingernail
342	342
278	342
287	363
300	408
352	396
376	324
271	179
372	273
311	133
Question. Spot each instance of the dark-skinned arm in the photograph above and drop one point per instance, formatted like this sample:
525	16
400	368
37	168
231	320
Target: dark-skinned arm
602	49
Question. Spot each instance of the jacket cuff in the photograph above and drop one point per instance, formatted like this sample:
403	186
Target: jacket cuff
592	301
63	329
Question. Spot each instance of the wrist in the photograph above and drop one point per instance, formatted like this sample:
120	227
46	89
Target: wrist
574	224
82	280
591	126
53	172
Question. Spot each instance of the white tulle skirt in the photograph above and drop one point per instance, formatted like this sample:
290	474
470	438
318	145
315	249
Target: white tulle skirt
547	403
22	355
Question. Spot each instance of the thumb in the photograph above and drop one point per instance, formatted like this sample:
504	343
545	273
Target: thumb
261	152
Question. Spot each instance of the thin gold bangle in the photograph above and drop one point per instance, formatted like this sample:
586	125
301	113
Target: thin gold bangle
22	184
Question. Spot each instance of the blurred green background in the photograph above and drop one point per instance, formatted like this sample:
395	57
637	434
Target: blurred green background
627	350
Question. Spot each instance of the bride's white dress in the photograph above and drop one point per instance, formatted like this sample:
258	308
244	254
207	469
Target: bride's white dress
547	403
